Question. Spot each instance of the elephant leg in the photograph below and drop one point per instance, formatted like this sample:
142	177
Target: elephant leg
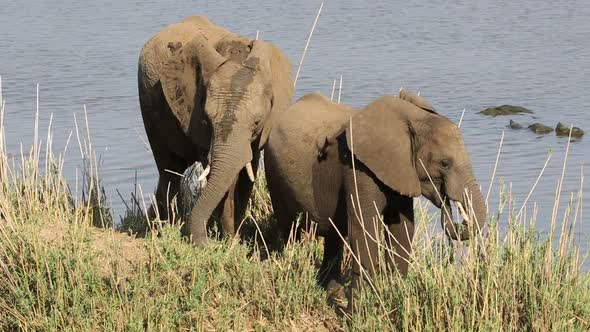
364	226
235	202
243	189
332	260
228	223
172	151
168	184
330	271
399	217
285	217
285	220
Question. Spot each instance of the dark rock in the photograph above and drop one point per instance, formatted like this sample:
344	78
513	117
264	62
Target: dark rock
563	130
505	110
539	128
514	125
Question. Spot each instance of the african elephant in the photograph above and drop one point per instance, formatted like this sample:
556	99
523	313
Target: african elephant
310	169
211	96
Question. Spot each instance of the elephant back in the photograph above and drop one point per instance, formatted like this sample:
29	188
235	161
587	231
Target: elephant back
295	141
309	122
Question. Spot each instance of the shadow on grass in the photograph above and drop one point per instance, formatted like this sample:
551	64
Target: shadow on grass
258	228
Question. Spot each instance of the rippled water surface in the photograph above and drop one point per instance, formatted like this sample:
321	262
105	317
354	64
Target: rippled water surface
459	54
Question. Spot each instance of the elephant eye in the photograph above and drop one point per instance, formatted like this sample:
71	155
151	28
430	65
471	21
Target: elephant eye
445	163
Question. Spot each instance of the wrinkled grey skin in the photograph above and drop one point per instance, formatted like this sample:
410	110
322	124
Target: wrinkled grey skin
211	96
309	169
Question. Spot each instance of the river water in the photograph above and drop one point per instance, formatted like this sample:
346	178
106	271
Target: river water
459	54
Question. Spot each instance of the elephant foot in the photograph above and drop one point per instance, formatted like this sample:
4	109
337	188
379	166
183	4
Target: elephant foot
199	241
335	294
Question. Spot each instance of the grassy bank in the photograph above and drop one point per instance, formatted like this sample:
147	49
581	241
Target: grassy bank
59	271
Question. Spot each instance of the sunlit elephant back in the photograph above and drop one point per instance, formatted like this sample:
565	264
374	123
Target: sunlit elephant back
210	96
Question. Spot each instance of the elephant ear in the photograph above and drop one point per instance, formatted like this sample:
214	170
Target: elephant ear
197	60
382	139
279	68
416	100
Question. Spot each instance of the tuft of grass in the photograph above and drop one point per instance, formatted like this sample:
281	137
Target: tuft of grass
58	271
134	221
94	196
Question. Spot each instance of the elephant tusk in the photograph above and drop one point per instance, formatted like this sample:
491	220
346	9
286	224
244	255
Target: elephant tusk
250	171
203	175
462	211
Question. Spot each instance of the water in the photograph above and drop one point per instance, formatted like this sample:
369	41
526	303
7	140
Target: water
459	54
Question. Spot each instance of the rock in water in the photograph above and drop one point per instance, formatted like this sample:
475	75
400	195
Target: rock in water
191	188
539	128
505	110
563	130
514	125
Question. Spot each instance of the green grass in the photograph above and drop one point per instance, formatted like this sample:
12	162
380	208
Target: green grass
59	271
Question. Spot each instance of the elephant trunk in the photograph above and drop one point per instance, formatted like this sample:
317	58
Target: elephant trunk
471	207
227	160
478	210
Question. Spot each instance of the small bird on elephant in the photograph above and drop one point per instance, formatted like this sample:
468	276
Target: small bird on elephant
210	96
355	173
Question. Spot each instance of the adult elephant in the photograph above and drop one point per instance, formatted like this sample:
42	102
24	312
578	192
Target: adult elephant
353	166
211	96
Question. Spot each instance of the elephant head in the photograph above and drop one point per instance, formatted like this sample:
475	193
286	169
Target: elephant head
415	151
231	93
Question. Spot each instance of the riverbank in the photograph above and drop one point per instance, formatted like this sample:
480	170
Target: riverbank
63	266
58	271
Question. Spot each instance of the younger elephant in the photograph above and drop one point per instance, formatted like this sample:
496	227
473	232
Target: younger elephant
211	96
353	166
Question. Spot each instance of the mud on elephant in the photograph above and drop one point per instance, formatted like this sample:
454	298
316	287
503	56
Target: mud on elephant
211	96
402	149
